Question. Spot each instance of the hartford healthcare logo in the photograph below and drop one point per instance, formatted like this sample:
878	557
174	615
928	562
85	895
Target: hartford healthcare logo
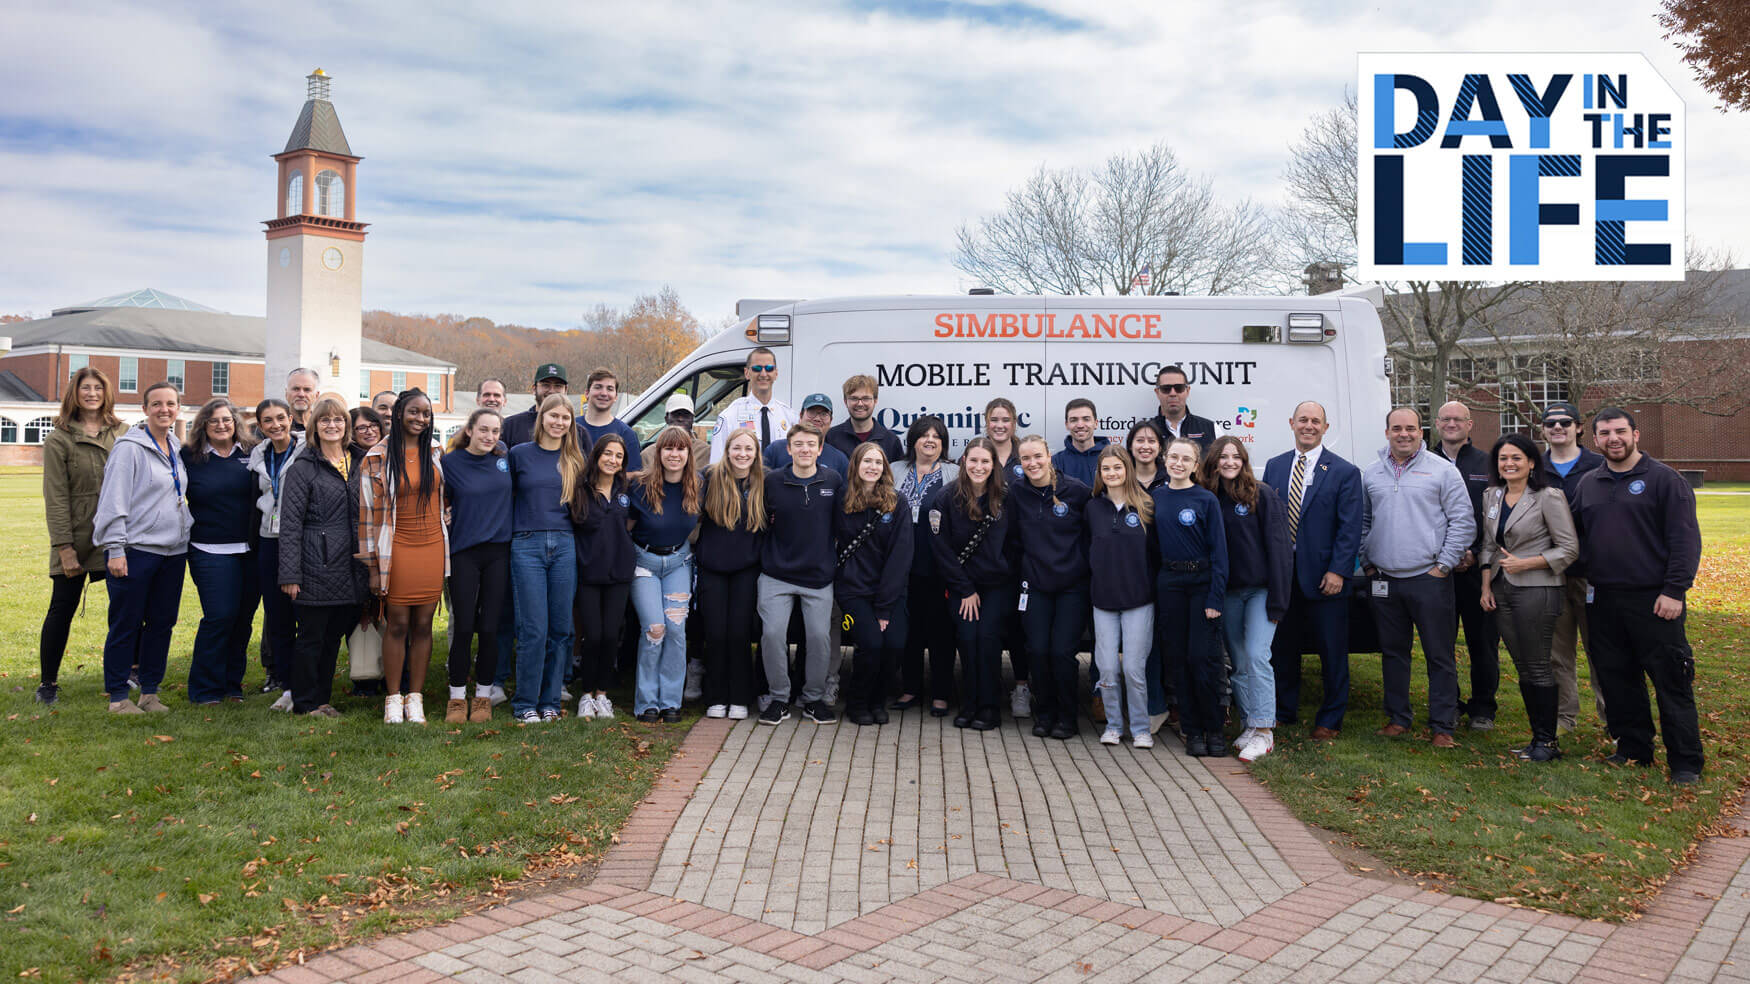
1518	167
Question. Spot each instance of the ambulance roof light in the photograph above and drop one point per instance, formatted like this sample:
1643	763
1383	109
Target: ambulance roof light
773	329
983	291
1307	328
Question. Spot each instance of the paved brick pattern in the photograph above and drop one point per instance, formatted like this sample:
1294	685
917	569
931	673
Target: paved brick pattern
787	855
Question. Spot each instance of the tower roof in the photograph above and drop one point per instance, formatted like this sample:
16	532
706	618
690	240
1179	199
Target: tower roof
318	126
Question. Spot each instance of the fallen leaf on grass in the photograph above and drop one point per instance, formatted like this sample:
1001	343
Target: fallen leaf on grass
164	738
205	897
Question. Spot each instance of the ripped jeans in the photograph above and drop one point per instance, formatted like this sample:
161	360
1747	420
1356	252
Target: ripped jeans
662	587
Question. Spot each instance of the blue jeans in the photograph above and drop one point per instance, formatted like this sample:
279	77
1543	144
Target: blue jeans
661	588
1123	641
1249	634
227	587
543	569
142	611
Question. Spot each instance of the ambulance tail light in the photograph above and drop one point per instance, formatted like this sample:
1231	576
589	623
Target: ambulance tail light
772	329
1309	328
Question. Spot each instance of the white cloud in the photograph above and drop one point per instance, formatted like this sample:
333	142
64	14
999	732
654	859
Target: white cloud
525	162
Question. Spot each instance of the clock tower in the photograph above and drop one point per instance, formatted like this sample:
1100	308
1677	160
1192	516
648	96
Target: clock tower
315	253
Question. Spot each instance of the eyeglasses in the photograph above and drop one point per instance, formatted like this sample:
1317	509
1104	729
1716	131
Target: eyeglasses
1173	387
1452	420
767	368
1562	422
859	399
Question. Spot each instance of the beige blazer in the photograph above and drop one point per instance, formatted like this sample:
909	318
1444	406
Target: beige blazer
1540	524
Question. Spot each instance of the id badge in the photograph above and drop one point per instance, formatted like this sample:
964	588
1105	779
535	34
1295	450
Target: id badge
273	522
1021	605
1589	593
1381	588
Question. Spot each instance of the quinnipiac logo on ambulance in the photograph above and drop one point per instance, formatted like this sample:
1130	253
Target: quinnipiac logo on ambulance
1518	167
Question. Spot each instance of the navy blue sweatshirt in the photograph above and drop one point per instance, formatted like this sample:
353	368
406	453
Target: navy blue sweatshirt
720	549
536	503
671	527
777	455
799	515
1259	554
1079	465
605	553
1052	536
634	458
1637	528
881	566
221	496
842	437
1122	575
519	428
990	565
479	490
1188	527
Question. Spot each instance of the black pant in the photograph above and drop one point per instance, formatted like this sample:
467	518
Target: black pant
1628	640
1482	640
1054	621
1191	644
64	597
1420	603
1326	620
878	650
930	626
1015	636
320	630
601	614
279	617
479	583
728	610
981	649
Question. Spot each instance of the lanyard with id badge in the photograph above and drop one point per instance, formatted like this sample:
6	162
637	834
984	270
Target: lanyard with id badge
276	465
175	477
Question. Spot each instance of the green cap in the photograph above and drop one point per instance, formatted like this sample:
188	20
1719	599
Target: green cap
552	370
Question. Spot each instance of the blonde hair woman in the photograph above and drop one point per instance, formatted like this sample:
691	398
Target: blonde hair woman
545	474
727	556
1054	565
873	534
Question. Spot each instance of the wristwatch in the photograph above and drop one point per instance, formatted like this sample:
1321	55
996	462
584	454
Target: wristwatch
1443	569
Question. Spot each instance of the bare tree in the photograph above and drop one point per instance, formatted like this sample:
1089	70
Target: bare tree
1317	224
1714	36
1068	232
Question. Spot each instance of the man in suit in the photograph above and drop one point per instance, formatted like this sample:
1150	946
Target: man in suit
1324	501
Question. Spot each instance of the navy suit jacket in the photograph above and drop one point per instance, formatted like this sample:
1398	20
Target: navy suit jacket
1329	535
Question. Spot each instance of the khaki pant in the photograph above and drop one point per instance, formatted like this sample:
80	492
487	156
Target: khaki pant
1563	657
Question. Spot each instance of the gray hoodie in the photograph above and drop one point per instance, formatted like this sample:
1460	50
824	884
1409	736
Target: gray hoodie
139	507
1411	522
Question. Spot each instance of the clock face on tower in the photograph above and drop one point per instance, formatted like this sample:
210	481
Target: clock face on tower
331	258
285	256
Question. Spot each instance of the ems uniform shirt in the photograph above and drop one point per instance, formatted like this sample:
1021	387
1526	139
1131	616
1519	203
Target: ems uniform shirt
1121	577
1638	529
1189	528
605	552
654	530
745	414
880	566
798	546
951	529
1052	535
634	459
478	488
537	503
720	549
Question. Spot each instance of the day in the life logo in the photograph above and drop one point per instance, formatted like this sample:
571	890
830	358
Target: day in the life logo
1518	167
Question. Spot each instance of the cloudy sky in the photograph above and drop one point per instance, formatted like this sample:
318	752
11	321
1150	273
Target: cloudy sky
526	161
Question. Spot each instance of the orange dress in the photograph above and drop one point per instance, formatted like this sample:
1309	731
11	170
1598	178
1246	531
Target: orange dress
416	574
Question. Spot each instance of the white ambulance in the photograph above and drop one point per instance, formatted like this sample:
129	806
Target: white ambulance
1250	360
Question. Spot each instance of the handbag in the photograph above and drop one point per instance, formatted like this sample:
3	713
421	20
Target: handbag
364	648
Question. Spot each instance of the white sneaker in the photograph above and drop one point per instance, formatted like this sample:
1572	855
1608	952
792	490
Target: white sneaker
549	715
496	695
1111	737
604	708
529	717
1143	741
586	706
1262	744
394	712
415	708
738	712
1021	702
831	696
564	694
695	685
719	710
1244	736
1154	723
284	703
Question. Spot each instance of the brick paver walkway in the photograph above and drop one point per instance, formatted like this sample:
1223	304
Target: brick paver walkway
918	852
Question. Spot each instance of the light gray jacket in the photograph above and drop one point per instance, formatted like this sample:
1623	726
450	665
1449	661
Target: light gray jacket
1541	524
266	503
138	506
1413	521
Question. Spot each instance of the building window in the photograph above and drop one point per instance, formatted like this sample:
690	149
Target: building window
398	381
331	194
295	193
76	363
176	373
8	431
449	435
36	430
1461	370
364	384
1534	383
128	378
221	378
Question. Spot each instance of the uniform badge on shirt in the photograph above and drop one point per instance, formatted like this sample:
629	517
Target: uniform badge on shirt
1636	487
1240	509
1060	510
1495	511
1132	519
1187	517
503	465
625	501
935	521
826	493
1017	471
887	517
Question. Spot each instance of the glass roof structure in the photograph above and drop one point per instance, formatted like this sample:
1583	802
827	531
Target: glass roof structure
148	297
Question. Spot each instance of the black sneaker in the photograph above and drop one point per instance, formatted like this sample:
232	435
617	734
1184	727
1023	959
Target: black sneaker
649	715
777	712
1685	778
271	686
1621	759
820	712
671	715
48	693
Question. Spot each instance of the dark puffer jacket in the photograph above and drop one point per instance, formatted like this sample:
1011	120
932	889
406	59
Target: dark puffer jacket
319	533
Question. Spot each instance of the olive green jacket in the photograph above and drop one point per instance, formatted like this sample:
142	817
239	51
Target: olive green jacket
72	478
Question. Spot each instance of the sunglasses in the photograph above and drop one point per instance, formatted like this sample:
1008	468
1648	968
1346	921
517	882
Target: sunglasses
1173	387
1562	422
766	368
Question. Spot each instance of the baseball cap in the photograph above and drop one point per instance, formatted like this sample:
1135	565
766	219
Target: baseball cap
817	400
551	370
1562	408
679	401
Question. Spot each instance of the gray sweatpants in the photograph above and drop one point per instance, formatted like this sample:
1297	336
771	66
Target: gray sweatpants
776	599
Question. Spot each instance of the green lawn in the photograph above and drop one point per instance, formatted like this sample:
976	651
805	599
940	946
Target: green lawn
1576	836
190	842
